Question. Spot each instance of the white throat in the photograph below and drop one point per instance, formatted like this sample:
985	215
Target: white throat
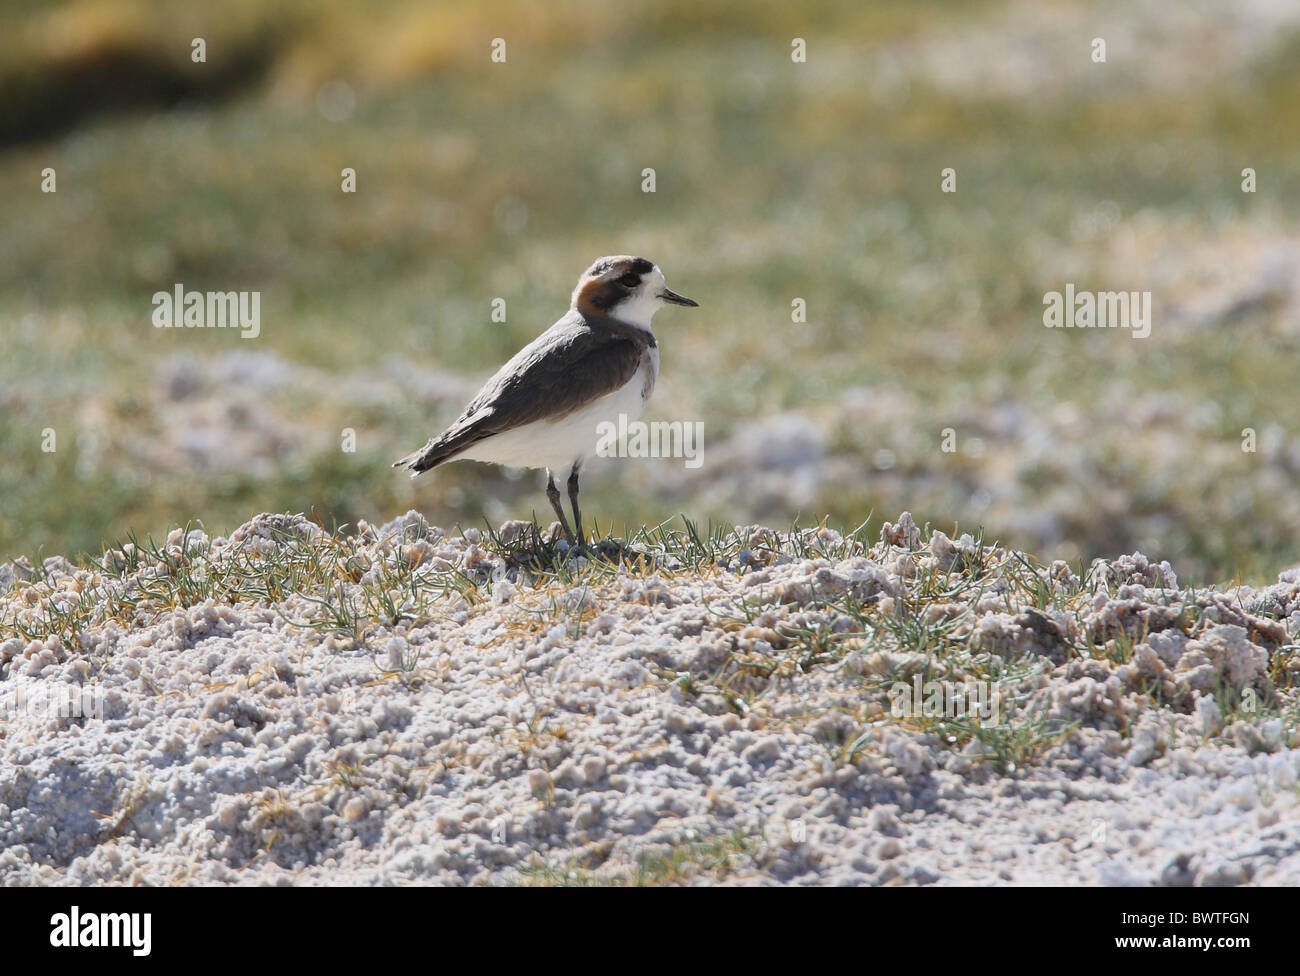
638	309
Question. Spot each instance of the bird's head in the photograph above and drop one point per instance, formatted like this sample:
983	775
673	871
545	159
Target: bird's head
626	288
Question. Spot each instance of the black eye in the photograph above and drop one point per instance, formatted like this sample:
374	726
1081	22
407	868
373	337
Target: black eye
630	280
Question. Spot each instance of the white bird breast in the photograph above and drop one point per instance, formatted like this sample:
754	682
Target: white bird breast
556	444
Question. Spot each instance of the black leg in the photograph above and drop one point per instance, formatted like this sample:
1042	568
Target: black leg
553	494
573	500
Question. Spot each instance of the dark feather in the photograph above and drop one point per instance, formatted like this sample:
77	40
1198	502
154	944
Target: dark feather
537	383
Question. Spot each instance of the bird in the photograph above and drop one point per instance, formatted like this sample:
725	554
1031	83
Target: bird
545	406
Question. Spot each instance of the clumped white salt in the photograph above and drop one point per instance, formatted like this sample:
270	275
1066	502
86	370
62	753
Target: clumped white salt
520	721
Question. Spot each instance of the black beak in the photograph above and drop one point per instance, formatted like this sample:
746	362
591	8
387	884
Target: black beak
676	299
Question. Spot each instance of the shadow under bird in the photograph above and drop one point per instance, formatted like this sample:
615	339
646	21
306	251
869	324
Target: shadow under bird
544	408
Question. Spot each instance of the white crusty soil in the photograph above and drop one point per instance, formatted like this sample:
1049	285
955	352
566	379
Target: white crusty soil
679	721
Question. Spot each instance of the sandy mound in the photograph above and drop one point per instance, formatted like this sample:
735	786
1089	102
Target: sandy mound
403	706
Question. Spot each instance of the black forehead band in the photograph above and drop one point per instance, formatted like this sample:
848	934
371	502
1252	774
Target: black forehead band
638	266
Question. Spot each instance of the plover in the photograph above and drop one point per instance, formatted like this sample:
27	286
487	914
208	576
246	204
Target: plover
543	408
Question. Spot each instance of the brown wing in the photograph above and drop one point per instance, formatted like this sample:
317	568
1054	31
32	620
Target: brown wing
538	384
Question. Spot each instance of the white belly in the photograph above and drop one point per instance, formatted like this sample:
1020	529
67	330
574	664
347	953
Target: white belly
557	444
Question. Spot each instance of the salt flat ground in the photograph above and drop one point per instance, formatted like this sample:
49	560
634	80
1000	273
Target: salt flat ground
412	706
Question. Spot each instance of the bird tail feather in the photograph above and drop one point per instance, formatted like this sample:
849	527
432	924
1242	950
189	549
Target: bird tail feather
430	456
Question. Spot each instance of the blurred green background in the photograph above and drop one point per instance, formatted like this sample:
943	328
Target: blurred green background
776	180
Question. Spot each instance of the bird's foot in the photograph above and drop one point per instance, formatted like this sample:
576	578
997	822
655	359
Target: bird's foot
559	532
